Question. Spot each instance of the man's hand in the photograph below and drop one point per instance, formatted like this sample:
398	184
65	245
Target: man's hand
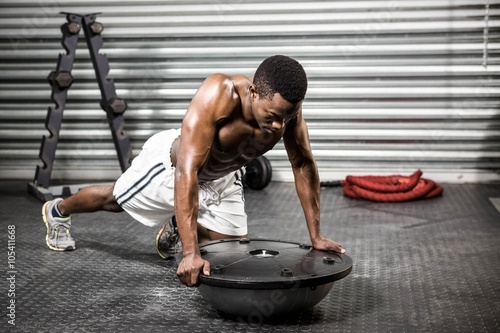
325	244
190	268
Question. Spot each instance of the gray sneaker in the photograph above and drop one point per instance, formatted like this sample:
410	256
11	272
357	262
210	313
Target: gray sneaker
58	234
168	241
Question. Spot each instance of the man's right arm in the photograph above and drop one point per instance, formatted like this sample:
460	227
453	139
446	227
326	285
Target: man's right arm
198	130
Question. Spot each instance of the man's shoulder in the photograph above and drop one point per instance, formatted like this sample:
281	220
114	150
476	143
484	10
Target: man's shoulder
220	96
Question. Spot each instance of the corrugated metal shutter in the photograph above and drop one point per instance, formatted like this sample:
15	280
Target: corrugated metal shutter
394	85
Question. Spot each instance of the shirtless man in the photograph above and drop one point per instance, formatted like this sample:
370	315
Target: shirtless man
230	121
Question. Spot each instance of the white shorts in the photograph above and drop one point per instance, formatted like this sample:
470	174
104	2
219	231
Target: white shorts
146	191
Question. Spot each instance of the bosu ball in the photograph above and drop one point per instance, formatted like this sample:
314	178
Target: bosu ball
264	277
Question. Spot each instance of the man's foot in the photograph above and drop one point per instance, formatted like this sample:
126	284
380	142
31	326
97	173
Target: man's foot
58	234
167	240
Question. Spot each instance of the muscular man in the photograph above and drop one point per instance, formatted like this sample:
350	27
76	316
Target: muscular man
190	179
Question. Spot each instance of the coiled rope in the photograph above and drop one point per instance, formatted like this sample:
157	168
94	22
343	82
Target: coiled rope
395	188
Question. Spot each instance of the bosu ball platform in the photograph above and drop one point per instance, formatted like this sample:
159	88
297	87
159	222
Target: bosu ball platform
252	276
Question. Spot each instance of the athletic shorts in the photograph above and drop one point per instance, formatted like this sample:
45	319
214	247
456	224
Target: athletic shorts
146	191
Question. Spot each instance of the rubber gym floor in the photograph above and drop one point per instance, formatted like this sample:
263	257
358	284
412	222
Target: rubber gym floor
422	266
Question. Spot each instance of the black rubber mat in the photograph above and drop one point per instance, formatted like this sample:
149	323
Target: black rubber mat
426	266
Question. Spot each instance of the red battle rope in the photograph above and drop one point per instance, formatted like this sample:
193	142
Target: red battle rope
394	188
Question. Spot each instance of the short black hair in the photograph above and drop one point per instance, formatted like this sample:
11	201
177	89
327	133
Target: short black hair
283	75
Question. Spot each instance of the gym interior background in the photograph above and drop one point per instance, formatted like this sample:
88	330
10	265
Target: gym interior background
394	86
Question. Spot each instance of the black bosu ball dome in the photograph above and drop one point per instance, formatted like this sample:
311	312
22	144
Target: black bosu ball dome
265	277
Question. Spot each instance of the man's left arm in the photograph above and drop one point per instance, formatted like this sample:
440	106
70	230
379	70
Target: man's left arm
305	172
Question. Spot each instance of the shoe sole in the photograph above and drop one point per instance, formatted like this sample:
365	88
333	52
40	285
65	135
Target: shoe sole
44	216
157	240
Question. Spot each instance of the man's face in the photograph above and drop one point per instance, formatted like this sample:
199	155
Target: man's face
273	114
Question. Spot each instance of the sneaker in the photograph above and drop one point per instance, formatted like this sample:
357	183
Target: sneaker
58	234
168	241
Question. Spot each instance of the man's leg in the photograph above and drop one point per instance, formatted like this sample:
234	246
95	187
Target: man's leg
226	215
57	213
90	199
206	235
168	241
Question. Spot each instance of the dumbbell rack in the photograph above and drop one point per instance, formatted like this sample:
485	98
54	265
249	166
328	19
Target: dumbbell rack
60	81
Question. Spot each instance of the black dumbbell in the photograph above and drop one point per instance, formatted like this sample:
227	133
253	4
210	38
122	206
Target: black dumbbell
258	173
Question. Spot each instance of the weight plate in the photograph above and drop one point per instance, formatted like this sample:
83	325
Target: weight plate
258	173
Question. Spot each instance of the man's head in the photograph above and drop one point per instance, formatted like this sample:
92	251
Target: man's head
283	75
279	87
